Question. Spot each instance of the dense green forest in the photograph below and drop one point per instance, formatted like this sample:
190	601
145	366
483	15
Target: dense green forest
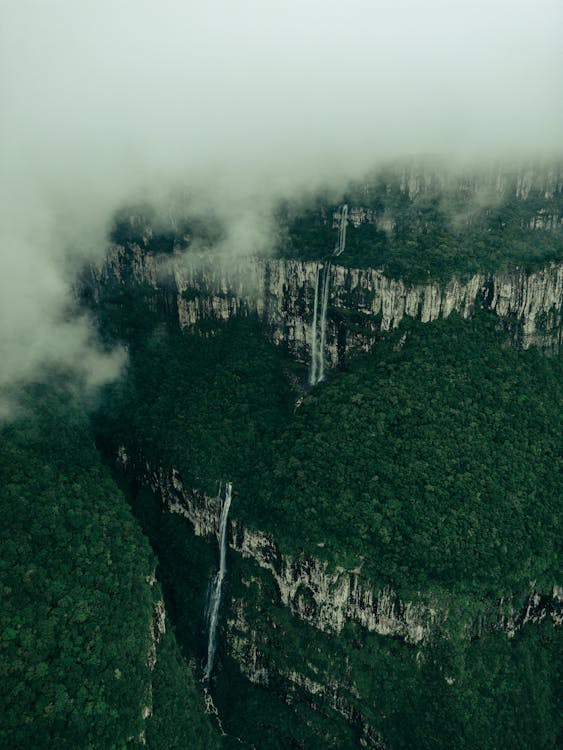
217	404
77	607
433	235
490	692
209	404
436	462
430	464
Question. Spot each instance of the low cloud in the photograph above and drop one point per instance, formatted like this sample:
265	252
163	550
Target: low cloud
238	103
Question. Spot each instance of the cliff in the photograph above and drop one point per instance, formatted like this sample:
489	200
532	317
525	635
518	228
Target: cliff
324	598
280	607
362	302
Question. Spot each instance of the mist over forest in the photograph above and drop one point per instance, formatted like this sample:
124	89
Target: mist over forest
236	105
281	319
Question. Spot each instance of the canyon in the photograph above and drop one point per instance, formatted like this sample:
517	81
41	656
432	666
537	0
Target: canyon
326	598
322	314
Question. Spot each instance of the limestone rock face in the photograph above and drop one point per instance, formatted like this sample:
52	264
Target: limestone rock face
282	294
326	689
131	265
325	598
536	301
499	180
362	302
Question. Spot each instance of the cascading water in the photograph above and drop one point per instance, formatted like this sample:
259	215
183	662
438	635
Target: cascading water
317	372
215	599
314	352
324	309
339	249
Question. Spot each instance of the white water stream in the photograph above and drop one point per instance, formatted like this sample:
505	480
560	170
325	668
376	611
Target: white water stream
314	350
318	338
215	599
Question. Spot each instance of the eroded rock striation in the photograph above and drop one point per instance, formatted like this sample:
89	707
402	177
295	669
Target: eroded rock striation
323	597
362	301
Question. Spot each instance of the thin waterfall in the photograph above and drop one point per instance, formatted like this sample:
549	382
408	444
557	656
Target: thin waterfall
339	249
314	350
324	309
317	371
215	600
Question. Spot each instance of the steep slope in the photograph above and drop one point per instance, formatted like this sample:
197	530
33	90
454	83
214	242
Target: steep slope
393	534
85	658
360	304
458	514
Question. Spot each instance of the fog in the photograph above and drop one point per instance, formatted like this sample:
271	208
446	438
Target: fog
104	103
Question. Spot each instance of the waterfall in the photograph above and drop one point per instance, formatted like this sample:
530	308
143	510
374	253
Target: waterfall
324	308
215	600
317	372
339	249
313	373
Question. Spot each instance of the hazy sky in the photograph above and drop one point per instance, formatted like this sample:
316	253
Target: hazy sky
104	100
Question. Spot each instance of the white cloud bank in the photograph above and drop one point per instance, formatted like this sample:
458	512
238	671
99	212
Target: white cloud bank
103	101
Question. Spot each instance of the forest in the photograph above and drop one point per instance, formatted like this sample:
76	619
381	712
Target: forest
438	459
430	464
423	227
77	606
281	375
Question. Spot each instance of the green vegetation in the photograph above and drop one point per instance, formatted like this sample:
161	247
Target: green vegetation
441	225
431	463
489	693
433	234
209	403
434	464
255	714
76	603
185	563
178	721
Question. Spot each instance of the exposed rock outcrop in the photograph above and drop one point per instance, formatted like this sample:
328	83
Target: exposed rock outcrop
157	627
324	690
281	293
362	301
324	598
320	596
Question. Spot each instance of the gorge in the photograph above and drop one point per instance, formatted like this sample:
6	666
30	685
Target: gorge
281	375
329	595
372	457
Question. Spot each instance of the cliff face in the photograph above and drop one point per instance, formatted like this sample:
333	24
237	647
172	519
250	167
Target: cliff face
326	600
500	180
264	582
361	302
323	598
157	628
321	688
